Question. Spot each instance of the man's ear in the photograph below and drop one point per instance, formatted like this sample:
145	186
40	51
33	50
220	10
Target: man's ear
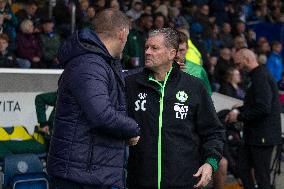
172	54
120	35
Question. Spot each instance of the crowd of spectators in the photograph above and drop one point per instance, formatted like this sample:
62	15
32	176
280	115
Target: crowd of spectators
29	38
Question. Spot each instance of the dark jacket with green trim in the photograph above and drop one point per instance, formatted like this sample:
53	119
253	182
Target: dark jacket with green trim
188	128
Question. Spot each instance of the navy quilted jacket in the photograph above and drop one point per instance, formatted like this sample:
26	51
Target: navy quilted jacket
91	127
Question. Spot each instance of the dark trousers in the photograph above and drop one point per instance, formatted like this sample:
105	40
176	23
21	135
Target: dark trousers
259	158
58	183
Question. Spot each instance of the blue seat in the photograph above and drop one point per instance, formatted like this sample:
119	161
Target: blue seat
17	167
30	181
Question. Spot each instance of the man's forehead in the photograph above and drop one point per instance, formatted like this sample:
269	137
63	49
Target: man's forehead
156	39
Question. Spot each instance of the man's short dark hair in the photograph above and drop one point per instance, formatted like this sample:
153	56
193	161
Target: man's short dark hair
31	3
144	15
182	38
170	36
109	21
275	43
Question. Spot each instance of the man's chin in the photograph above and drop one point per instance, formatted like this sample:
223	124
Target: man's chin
147	64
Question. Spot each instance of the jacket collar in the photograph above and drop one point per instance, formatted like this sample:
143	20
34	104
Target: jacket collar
143	78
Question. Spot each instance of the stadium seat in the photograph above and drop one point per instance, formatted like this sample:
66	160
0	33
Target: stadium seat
24	171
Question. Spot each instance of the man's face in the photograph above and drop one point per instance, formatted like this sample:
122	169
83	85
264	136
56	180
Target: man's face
277	48
205	10
240	62
3	45
2	4
225	54
31	9
159	22
227	28
157	55
182	49
148	22
48	27
91	12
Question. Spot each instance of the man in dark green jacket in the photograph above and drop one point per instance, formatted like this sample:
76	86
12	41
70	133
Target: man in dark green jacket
133	53
41	102
177	121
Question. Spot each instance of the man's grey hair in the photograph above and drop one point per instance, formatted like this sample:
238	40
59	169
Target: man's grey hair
170	36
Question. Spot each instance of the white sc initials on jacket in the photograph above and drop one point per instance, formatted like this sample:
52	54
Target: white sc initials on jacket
140	103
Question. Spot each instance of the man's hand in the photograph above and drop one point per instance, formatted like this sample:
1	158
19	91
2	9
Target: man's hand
7	16
232	116
36	59
182	65
45	129
205	171
133	141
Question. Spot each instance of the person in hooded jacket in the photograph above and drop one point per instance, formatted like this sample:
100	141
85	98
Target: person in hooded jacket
92	131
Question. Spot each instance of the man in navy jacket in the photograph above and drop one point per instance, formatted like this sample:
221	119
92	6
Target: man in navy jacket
91	127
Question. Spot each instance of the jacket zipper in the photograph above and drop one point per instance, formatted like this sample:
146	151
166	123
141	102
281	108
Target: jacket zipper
162	93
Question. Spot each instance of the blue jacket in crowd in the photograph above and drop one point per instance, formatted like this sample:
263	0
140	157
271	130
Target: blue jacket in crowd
274	64
91	127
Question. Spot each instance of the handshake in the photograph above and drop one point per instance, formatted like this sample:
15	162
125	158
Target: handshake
133	141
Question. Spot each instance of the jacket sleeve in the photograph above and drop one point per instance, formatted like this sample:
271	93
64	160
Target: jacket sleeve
90	84
209	128
262	94
41	101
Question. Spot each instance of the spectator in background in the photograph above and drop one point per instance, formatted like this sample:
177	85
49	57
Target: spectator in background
240	29
87	20
147	9
178	19
114	4
261	117
62	18
100	5
160	21
50	43
28	45
239	43
274	62
223	64
214	43
163	9
202	17
30	12
263	47
226	36
10	22
90	110
231	85
7	59
212	61
133	53
136	10
81	12
251	39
